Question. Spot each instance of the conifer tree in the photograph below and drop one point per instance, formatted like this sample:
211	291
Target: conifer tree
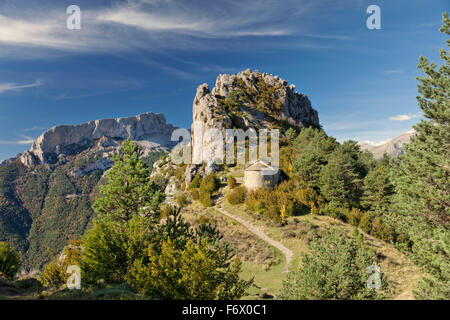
129	191
421	177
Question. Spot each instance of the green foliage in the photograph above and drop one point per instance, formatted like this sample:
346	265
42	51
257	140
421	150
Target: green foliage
208	186
9	261
152	157
378	189
195	194
340	181
334	268
421	177
237	196
231	182
110	248
55	272
314	147
182	200
195	272
129	190
195	183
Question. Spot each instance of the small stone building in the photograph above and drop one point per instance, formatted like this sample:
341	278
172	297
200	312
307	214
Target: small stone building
260	174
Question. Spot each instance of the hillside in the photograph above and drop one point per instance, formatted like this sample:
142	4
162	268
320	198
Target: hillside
46	194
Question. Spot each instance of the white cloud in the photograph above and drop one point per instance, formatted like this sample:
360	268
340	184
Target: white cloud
404	117
394	71
34	128
16	87
152	25
24	141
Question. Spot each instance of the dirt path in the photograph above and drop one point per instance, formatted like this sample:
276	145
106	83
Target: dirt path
286	252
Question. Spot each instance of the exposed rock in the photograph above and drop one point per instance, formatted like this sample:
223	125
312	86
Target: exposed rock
149	130
102	164
259	101
29	159
211	167
171	188
392	148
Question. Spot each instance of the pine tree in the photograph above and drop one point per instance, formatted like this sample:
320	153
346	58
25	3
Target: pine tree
334	268
339	181
129	191
421	178
378	189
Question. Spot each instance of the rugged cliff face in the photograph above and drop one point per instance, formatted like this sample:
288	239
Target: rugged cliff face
250	99
148	129
392	148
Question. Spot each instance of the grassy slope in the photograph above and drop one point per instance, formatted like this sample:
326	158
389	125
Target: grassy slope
402	274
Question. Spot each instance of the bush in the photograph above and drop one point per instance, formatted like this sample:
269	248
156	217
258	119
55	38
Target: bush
205	198
55	272
182	200
194	272
231	182
210	183
208	186
195	183
237	196
104	254
9	261
195	194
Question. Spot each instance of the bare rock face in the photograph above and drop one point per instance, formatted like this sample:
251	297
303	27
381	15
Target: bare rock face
149	130
249	99
392	148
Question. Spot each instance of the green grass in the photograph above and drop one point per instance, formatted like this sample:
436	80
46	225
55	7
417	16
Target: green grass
402	274
265	281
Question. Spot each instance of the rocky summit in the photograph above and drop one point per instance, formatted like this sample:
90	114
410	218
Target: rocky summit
251	99
150	130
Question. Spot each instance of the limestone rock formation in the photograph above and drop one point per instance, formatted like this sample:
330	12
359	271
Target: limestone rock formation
249	99
392	148
149	130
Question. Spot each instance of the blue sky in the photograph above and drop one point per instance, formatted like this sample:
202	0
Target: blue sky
136	56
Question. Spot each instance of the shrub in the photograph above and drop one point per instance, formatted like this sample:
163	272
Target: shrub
104	254
195	183
9	261
331	210
237	196
208	186
231	182
182	200
195	194
205	198
55	272
210	183
194	272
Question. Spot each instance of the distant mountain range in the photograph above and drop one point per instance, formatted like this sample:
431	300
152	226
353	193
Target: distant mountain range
393	147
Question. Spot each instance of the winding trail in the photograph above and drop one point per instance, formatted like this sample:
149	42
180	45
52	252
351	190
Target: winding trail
286	252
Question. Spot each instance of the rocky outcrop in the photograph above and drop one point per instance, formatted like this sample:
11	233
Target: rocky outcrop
249	99
392	148
149	130
102	164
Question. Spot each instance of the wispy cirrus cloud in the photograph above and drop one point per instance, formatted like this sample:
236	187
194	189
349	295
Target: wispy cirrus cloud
17	87
393	71
404	117
154	25
25	140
